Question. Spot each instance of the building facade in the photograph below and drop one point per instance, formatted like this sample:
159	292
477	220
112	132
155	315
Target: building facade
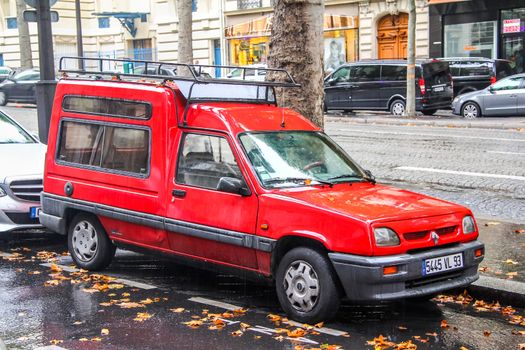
224	31
479	28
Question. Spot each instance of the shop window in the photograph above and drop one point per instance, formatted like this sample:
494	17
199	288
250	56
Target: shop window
471	40
103	22
248	4
11	23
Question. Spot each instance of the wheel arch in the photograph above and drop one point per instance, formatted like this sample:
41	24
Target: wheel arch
394	98
477	103
289	242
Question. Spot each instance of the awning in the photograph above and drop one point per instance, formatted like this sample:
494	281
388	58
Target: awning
435	2
262	26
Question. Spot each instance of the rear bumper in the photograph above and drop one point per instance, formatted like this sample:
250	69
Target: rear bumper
363	280
433	104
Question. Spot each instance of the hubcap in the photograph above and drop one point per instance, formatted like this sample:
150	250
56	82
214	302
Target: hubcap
85	241
398	108
470	111
301	286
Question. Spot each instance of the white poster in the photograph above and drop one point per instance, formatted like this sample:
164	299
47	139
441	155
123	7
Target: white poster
334	53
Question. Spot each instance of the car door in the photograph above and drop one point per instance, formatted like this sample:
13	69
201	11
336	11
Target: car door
521	99
502	97
393	82
365	86
203	221
24	87
338	94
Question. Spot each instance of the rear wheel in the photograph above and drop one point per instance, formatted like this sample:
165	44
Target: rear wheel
306	286
88	243
470	110
429	111
3	98
397	108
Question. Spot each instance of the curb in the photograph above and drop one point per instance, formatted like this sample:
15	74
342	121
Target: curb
439	123
507	292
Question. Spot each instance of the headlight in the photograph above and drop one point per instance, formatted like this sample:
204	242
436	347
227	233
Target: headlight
468	224
385	237
2	192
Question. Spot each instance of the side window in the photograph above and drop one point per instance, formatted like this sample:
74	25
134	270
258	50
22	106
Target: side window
475	68
342	75
204	159
507	84
105	147
455	68
366	73
390	73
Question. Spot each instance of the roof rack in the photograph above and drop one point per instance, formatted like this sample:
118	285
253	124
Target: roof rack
193	81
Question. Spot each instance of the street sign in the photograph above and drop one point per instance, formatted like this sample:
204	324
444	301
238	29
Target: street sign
30	16
32	3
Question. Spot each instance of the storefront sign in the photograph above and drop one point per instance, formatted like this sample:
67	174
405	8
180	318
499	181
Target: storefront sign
511	26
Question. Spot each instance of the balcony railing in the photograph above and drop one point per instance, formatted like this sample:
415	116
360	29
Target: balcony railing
248	4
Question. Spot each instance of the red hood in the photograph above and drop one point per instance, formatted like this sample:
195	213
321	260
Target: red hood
372	202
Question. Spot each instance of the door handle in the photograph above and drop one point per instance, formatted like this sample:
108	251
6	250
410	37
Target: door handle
178	193
513	95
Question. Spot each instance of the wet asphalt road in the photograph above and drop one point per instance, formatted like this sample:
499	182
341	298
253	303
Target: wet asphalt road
33	315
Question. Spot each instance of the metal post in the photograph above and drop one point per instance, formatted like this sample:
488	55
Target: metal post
80	48
45	88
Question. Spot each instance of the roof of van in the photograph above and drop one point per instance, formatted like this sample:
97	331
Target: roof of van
479	59
391	61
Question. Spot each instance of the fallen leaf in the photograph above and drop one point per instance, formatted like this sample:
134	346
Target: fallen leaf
520	231
142	316
130	305
522	346
444	324
296	333
402	328
483	269
510	262
244	326
432	334
83	339
515	332
56	341
55	268
76	323
274	318
237	333
104	331
34	273
193	323
96	339
492	223
178	310
51	283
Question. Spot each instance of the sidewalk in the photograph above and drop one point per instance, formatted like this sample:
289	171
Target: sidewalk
442	118
502	272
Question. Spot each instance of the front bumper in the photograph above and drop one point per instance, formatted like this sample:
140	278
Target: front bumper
363	280
14	215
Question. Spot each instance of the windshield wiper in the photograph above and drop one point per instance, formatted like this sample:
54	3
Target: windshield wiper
347	176
297	179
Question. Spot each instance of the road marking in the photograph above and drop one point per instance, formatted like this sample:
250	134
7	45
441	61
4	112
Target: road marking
50	347
215	303
427	134
498	152
125	281
466	173
325	330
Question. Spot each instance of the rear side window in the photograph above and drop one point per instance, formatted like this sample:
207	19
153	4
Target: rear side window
107	106
397	73
475	69
436	73
503	69
106	147
365	73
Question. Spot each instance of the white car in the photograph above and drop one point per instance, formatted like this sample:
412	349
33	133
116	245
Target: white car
21	170
254	72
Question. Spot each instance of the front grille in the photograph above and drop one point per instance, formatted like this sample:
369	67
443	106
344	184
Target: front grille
411	236
433	279
27	190
22	219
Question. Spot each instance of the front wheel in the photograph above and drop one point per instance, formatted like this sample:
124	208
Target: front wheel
88	243
306	286
397	108
3	98
470	110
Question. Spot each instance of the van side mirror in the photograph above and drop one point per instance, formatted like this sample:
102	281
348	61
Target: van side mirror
491	89
331	81
229	75
233	185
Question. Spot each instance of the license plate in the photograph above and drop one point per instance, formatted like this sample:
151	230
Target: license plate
443	263
439	88
34	212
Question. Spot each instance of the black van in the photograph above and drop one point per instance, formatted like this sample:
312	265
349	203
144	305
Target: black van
381	85
476	73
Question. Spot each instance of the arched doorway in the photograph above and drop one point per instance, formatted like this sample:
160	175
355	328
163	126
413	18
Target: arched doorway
392	33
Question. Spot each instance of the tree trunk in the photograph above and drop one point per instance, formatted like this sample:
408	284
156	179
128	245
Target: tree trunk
411	69
296	44
26	55
185	47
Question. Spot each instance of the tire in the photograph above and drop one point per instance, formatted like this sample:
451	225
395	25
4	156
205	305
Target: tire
3	98
429	111
470	110
397	108
306	286
89	244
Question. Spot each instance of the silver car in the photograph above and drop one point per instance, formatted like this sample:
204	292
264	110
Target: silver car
21	171
504	98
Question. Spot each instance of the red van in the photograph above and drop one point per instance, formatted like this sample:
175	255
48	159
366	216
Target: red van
213	171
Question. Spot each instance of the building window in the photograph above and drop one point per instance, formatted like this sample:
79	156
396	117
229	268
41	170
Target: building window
248	4
144	17
193	5
11	23
103	22
471	39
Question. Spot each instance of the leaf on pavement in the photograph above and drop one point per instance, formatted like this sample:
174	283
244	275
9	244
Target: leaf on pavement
178	310
522	346
520	231
56	341
487	333
402	328
142	316
244	326
83	339
492	223
510	262
51	283
296	333
104	331
444	324
237	333
55	268
274	318
193	323
130	305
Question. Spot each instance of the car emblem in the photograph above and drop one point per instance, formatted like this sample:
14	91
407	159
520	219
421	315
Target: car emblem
435	237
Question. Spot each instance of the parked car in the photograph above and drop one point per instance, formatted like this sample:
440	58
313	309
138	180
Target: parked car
216	173
254	72
504	98
5	72
381	85
166	70
476	73
21	170
20	87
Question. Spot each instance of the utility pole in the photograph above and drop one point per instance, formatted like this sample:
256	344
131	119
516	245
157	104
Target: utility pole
410	109
45	88
80	48
26	55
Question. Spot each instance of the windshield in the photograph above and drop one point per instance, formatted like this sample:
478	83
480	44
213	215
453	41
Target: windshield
12	133
298	158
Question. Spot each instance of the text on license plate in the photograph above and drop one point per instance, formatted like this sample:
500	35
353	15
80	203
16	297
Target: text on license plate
439	88
34	212
443	263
